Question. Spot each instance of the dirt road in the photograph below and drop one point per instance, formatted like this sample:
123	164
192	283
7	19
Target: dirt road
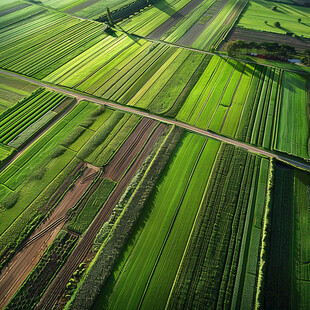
207	133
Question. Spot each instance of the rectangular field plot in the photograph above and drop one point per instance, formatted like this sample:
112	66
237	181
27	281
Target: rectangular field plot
293	118
13	90
287	270
30	180
259	11
177	237
17	123
267	107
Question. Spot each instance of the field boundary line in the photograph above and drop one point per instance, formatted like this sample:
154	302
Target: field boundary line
284	158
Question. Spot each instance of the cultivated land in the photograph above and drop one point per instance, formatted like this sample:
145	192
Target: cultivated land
140	170
259	11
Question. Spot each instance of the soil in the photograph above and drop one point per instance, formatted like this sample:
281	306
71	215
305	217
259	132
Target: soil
139	154
30	253
193	33
81	6
125	155
14	9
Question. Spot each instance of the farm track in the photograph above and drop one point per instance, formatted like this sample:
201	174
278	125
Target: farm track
80	96
125	155
81	251
31	251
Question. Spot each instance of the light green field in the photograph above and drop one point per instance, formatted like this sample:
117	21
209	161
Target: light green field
259	11
13	90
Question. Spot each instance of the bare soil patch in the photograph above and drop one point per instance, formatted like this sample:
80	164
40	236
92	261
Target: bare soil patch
83	248
24	261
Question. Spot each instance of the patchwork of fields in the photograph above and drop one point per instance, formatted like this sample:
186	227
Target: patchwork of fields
140	201
260	11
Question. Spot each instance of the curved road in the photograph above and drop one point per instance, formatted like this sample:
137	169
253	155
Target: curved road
81	96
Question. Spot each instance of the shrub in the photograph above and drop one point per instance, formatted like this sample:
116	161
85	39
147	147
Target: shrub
59	150
101	268
73	136
274	7
277	24
10	201
37	174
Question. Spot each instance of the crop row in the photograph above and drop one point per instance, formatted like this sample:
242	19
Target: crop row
163	228
213	35
279	259
37	54
34	286
31	188
15	120
207	274
293	117
251	103
300	231
114	234
80	222
141	75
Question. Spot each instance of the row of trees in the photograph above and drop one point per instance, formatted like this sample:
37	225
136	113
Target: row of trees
266	48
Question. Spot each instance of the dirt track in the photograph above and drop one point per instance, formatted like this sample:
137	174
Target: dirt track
80	96
58	286
125	155
23	262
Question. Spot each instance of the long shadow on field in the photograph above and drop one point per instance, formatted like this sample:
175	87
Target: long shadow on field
165	7
129	35
103	298
111	33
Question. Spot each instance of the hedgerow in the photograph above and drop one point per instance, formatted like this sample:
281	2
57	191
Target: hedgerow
123	220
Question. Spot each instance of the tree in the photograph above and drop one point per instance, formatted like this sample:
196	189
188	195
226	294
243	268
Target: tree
110	19
266	22
299	20
277	24
274	7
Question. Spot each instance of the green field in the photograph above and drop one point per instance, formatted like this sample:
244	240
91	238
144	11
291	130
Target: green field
192	192
30	179
259	11
13	90
206	170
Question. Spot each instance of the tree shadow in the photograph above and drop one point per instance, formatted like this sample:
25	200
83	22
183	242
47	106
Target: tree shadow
111	32
165	7
129	35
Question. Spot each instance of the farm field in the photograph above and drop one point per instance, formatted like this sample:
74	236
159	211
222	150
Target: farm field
46	164
251	105
13	90
259	11
181	221
140	168
287	250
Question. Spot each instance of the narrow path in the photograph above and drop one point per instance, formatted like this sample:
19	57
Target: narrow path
58	285
24	261
81	96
